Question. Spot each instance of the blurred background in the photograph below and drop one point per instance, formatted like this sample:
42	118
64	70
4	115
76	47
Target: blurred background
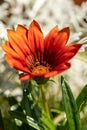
48	13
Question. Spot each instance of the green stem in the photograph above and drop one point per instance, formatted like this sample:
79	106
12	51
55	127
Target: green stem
44	101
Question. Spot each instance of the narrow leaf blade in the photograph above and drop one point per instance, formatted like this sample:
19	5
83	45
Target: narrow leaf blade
1	122
71	110
82	98
26	119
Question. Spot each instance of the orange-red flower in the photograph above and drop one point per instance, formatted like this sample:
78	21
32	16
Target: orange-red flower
28	51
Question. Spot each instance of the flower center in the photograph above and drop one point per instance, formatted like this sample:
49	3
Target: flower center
36	67
40	69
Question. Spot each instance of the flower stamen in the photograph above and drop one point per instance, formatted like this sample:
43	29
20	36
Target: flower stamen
40	69
37	67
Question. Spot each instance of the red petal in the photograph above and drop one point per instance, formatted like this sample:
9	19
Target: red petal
25	77
10	51
16	63
13	44
34	24
18	43
62	37
69	52
50	38
57	70
50	74
36	39
62	67
55	41
21	29
49	42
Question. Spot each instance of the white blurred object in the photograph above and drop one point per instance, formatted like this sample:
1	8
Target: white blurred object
74	37
84	42
3	31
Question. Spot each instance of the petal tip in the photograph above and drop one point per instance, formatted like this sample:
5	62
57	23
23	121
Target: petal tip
35	24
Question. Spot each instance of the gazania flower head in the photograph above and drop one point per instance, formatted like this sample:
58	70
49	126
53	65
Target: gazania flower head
29	51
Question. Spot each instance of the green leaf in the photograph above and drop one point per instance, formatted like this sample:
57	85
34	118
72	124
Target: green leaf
26	104
18	115
26	119
84	124
71	110
1	122
33	123
82	98
47	122
12	100
63	127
